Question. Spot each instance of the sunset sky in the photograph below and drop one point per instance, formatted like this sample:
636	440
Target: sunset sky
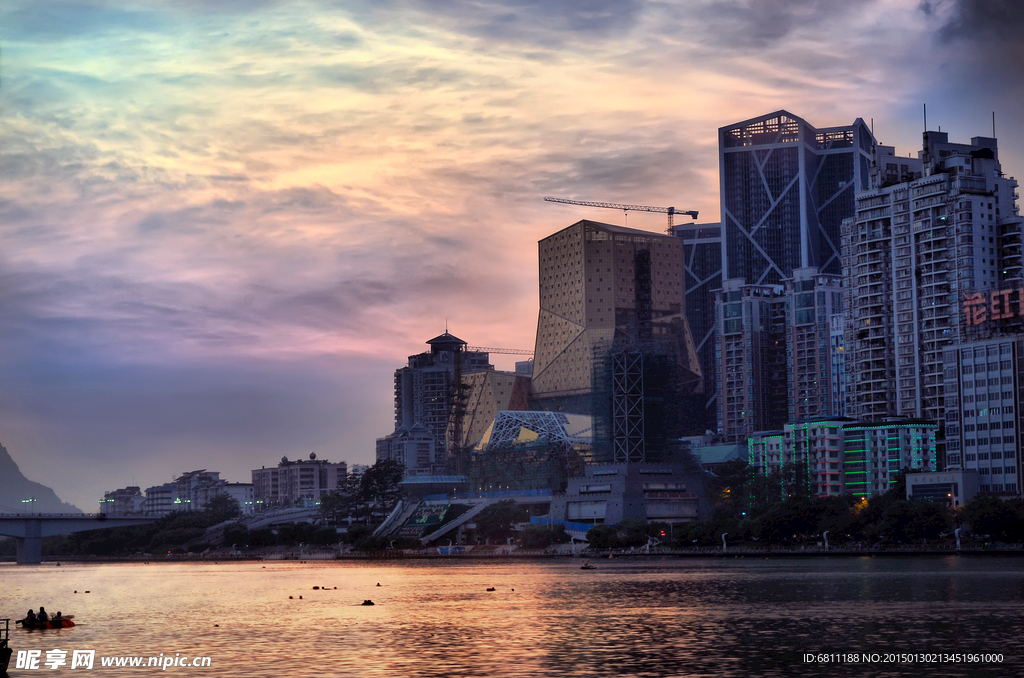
225	223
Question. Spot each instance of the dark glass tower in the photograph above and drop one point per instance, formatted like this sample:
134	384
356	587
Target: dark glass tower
785	189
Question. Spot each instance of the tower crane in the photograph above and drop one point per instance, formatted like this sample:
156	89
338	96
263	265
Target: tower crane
671	211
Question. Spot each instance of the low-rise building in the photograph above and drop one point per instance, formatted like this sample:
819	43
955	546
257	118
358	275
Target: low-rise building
952	488
840	456
160	499
611	493
125	500
301	482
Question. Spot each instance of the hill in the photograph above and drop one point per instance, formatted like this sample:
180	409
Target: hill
14	487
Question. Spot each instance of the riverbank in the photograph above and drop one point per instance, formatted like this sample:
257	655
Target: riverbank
521	554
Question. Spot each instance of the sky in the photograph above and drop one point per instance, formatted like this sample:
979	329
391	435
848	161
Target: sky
225	223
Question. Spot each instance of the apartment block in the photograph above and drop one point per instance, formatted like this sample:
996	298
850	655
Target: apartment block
813	298
428	397
914	252
299	482
982	386
840	456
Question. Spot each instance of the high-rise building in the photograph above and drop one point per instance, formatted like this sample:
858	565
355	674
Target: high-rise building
915	251
785	189
750	357
601	284
813	298
429	392
702	263
837	354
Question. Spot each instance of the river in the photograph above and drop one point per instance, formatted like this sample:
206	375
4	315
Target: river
629	617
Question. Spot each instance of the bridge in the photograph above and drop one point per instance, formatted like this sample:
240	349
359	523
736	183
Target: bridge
30	528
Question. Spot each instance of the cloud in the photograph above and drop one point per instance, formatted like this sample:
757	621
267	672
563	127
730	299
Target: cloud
53	21
270	205
982	21
753	25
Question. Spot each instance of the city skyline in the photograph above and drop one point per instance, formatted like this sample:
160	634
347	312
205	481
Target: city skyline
226	226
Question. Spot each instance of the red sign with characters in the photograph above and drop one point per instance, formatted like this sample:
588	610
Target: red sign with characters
995	305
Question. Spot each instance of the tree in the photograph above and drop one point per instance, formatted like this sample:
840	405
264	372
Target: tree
993	516
632	532
730	488
379	487
603	537
543	536
793	519
236	534
357	533
498	521
909	521
837	516
222	507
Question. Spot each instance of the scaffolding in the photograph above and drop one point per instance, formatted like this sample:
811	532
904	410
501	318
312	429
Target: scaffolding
628	407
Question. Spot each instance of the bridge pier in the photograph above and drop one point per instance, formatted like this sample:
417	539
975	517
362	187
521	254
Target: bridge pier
30	547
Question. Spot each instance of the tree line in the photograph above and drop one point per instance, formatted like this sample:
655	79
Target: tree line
777	509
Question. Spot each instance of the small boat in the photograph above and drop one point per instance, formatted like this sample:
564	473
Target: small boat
62	623
587	566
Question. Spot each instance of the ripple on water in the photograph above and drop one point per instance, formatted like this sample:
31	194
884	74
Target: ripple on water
650	617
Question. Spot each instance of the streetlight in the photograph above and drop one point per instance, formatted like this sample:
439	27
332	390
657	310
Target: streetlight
723	541
825	537
956	533
31	501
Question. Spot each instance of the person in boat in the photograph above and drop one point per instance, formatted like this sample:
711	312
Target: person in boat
57	618
30	618
42	617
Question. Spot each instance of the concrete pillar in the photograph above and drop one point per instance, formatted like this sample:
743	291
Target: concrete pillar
30	547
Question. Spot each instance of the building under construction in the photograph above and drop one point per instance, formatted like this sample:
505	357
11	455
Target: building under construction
427	393
606	288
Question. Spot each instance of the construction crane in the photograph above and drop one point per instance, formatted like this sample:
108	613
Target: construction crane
506	351
671	211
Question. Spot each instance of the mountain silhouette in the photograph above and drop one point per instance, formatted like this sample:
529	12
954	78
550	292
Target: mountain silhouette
15	487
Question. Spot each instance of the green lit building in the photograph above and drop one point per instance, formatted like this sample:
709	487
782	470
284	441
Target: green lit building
842	456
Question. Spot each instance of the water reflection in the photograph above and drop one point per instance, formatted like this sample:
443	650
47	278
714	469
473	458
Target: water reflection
650	617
